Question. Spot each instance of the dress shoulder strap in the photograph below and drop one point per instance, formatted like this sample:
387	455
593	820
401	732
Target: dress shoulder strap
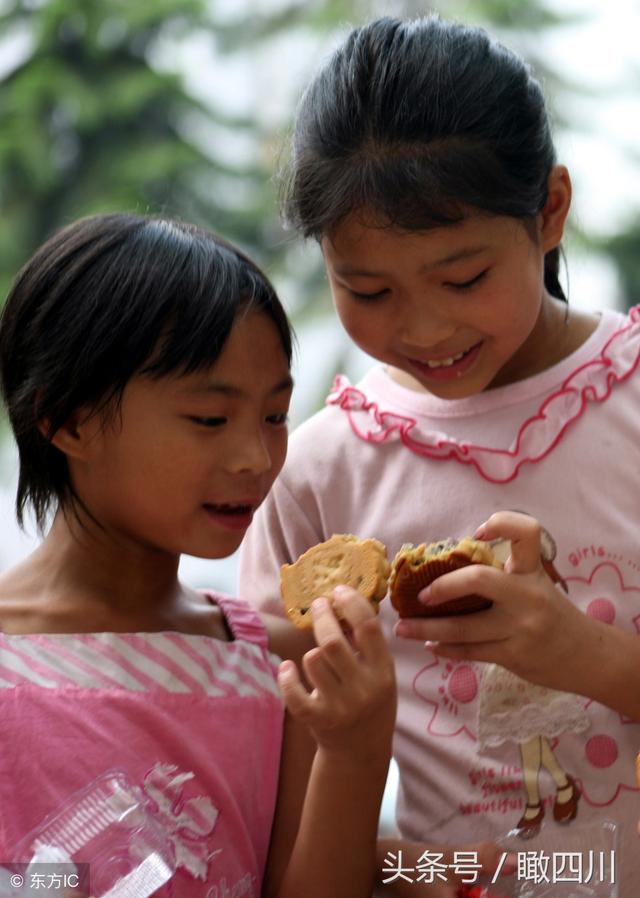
245	623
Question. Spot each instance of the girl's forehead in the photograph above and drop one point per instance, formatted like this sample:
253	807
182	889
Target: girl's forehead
252	353
356	240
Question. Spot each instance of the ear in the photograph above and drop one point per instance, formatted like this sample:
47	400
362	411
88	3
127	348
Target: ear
76	434
553	216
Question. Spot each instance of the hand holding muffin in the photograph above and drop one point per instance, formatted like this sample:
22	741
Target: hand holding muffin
532	627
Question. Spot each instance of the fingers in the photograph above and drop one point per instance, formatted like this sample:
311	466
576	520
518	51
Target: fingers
474	579
322	678
352	606
323	668
325	625
482	628
333	649
333	660
362	618
523	531
294	695
301	704
349	606
351	685
517	539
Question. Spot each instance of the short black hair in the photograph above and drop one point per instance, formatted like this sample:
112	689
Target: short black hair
104	299
419	121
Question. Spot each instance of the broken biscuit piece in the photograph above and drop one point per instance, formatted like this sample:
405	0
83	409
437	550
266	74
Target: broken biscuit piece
343	559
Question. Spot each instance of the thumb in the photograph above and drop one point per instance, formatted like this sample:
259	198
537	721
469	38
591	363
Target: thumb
524	533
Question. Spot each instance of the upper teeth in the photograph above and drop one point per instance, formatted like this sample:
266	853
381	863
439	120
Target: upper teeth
442	363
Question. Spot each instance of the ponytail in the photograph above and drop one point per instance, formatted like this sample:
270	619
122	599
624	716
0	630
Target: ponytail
551	274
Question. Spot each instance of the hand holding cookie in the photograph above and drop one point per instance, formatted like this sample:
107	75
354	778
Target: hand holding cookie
341	560
351	707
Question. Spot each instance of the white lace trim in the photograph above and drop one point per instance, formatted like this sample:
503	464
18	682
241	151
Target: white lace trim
562	715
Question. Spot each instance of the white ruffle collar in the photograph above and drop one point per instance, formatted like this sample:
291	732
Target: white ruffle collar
592	379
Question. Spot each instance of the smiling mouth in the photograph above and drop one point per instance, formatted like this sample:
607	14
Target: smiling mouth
448	367
446	363
226	508
230	515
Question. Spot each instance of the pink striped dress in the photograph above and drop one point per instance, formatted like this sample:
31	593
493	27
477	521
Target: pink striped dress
193	722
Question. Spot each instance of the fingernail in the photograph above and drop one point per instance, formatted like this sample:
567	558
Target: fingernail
402	628
425	595
286	668
479	534
342	591
318	605
510	864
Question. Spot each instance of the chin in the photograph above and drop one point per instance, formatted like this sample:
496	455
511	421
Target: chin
453	390
222	549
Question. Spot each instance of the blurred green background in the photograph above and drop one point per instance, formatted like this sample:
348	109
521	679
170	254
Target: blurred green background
182	107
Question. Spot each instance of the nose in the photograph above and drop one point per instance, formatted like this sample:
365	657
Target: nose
423	324
250	454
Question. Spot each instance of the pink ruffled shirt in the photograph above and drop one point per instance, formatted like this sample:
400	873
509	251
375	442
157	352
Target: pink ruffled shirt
385	461
194	723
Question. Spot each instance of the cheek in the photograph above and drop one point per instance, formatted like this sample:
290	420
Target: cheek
276	445
522	315
278	453
161	465
365	326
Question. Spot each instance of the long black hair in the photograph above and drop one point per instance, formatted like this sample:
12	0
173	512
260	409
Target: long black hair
420	122
107	298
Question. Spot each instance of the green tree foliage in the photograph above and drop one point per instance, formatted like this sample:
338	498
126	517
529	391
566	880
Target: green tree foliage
624	249
89	125
91	122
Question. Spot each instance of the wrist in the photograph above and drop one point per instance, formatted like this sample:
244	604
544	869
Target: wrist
607	666
349	760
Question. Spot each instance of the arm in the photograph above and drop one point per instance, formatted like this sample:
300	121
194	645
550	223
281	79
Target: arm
533	628
350	714
299	749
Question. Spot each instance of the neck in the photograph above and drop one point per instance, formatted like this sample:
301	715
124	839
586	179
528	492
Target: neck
559	331
80	565
549	342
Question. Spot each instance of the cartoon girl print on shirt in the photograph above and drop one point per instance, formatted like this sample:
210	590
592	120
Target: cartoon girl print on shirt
513	710
599	743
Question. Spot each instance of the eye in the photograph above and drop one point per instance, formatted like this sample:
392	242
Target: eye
279	420
208	422
467	285
368	297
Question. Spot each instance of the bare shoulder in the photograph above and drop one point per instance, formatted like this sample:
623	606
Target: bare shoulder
284	639
197	615
19	599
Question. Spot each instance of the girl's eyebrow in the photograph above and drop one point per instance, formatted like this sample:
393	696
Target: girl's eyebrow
223	389
468	252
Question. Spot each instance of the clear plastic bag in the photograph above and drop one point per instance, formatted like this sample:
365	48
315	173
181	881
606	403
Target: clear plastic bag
579	862
108	827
